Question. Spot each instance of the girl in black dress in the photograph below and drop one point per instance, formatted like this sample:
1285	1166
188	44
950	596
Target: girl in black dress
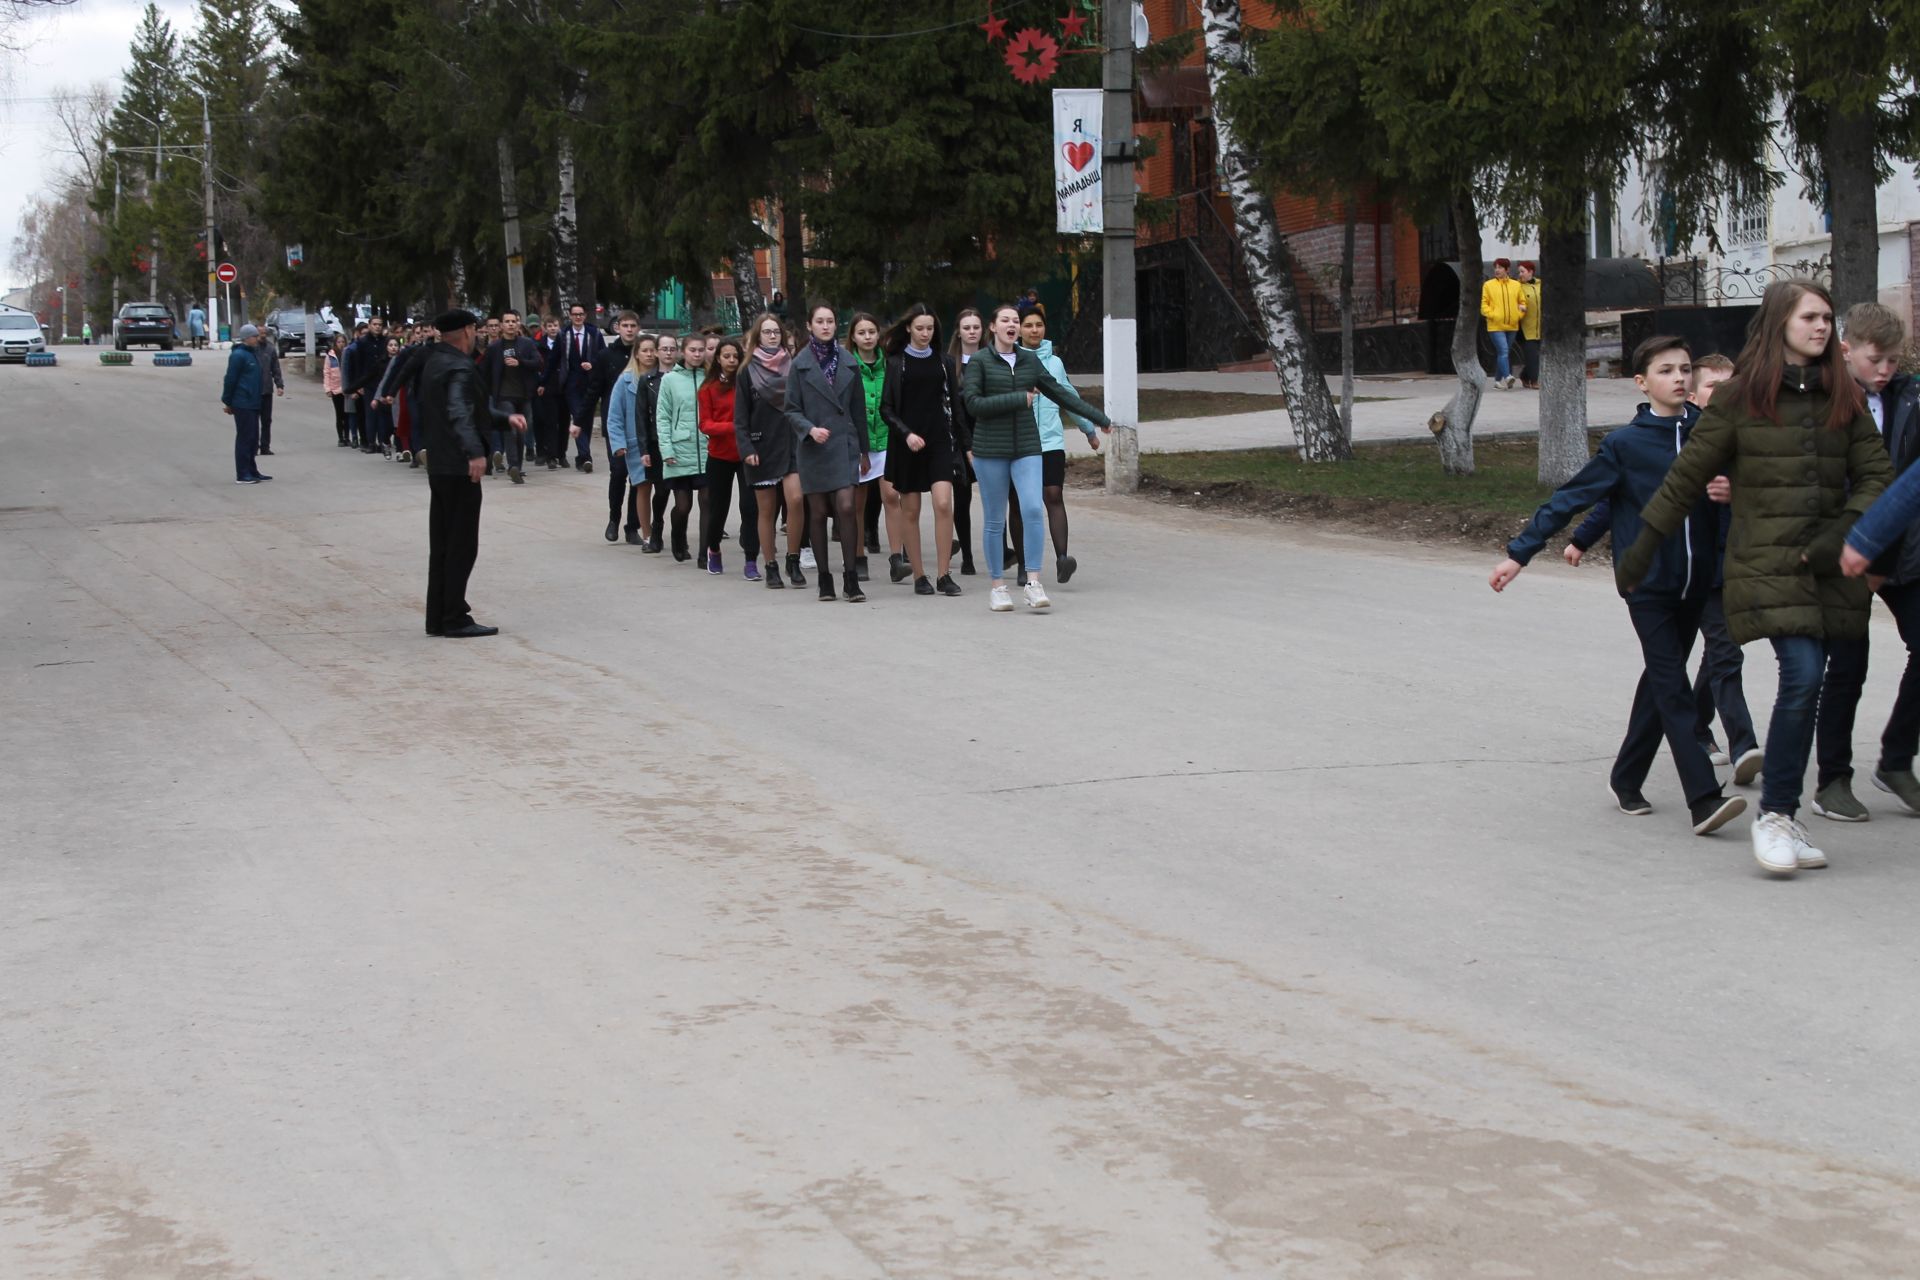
921	451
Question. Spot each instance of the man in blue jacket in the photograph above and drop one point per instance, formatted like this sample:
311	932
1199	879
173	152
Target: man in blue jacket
1666	606
240	394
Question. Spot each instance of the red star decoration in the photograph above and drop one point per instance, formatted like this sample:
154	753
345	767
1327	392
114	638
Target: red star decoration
1034	56
1074	25
996	28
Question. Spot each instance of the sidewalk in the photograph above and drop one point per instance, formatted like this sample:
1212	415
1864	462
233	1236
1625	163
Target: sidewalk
1399	408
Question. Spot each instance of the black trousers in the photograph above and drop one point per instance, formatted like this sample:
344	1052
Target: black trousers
1902	736
723	479
339	416
266	419
620	489
549	433
1839	703
580	405
453	544
1721	686
1663	702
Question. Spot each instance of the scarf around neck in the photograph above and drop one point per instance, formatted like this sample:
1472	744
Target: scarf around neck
827	356
768	375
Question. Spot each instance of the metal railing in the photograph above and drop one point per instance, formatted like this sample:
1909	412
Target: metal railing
1693	283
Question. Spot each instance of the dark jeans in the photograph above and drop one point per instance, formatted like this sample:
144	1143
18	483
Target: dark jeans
1790	732
1663	701
1720	686
504	438
580	405
1902	736
1530	370
246	443
1839	702
549	433
339	415
620	490
266	419
381	418
723	479
453	544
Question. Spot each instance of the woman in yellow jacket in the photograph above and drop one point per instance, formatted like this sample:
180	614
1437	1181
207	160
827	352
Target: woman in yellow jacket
1503	306
1530	326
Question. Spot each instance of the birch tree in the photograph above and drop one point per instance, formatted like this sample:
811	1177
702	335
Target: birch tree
1270	267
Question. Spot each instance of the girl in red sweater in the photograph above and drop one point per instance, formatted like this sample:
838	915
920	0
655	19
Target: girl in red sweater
724	470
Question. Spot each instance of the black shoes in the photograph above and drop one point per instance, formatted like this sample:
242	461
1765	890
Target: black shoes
966	566
552	465
680	553
1631	803
860	568
898	567
266	453
633	537
517	476
1715	812
1064	567
470	631
826	588
613	531
921	587
854	594
947	587
873	543
794	576
586	465
341	444
772	578
654	545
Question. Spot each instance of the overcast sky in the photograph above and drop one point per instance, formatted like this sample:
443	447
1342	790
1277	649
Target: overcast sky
69	46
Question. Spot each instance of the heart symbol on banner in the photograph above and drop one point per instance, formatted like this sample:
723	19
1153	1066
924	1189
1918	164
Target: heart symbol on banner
1078	153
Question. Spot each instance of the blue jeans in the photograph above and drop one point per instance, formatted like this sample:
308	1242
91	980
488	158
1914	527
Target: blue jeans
1502	352
246	443
1803	664
994	476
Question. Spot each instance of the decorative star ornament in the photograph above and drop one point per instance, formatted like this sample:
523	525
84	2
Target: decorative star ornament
1073	26
996	28
1033	55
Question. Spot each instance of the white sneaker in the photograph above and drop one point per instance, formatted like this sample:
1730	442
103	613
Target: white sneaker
1748	766
1036	595
1804	854
806	558
1717	757
1774	847
999	601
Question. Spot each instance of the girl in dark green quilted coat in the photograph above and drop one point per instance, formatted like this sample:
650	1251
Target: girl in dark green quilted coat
1792	432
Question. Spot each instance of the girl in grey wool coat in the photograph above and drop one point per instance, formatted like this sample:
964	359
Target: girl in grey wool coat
827	409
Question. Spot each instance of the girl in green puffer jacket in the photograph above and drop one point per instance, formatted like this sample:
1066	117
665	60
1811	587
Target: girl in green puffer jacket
1791	431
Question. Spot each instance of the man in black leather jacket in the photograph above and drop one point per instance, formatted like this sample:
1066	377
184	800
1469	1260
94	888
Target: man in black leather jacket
453	413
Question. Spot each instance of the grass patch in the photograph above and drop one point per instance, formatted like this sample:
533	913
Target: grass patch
1393	490
1159	405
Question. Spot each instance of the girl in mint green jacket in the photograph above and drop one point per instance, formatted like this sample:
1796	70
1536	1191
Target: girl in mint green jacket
683	450
1051	419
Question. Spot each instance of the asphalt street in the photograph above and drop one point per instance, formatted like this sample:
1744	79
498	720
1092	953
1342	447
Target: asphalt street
1260	911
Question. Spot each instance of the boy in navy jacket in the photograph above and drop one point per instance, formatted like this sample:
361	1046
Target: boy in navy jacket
1666	607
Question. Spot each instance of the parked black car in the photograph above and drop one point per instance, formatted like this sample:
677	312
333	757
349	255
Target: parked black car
144	323
289	329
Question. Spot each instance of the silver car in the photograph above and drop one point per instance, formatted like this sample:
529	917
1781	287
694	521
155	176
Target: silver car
20	335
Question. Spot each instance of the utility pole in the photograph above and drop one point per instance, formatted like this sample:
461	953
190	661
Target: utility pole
510	217
1120	341
213	265
153	250
114	156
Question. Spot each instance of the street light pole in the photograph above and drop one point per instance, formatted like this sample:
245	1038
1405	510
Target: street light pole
206	178
112	252
1120	342
153	250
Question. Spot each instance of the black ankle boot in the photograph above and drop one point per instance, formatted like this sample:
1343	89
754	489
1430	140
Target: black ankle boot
826	587
794	576
860	568
898	566
854	594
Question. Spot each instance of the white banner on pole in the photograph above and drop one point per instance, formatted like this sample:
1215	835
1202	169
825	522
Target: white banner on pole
1076	162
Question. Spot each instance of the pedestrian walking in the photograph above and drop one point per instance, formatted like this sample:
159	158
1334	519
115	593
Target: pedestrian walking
1503	305
969	331
726	473
454	414
922	456
513	367
271	384
196	327
1530	318
1002	382
766	441
827	408
873	495
581	343
630	453
683	449
1053	449
240	396
331	387
1792	433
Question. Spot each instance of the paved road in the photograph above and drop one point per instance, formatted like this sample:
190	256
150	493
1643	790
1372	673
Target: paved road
1258	912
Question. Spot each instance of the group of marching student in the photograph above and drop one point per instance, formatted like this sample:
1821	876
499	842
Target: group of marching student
552	376
834	438
1762	511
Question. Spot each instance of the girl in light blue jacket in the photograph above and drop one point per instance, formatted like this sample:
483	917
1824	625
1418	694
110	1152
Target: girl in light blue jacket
1053	449
628	435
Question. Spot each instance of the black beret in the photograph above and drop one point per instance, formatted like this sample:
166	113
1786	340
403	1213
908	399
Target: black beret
448	321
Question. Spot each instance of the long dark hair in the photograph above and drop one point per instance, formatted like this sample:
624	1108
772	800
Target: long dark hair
714	373
896	339
1755	385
